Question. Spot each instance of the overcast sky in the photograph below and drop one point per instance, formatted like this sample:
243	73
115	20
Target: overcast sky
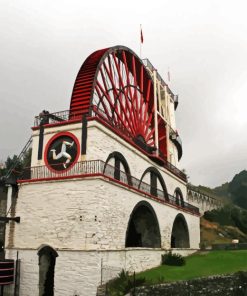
203	43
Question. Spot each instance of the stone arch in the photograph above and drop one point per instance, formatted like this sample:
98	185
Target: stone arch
155	176
47	261
119	160
179	197
180	233
143	229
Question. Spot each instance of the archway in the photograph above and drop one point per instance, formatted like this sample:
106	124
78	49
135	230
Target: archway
143	228
180	233
47	261
117	167
179	197
153	178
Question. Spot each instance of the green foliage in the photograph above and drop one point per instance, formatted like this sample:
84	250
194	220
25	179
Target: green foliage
238	189
172	259
234	191
229	215
123	284
17	164
231	192
26	160
13	162
221	216
222	190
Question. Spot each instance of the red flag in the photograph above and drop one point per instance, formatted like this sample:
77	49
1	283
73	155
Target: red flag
141	37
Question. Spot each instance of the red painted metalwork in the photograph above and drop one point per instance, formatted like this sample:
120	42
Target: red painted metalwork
114	85
7	270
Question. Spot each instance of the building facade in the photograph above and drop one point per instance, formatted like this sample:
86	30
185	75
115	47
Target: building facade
104	191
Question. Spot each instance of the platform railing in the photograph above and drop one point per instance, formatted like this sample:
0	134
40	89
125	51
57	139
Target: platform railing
49	118
46	117
100	168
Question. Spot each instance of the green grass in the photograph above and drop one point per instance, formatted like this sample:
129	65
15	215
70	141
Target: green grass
199	265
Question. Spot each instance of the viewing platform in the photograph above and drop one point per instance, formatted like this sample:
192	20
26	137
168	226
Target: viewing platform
47	119
98	168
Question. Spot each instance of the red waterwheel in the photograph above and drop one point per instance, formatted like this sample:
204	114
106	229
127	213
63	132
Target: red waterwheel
114	85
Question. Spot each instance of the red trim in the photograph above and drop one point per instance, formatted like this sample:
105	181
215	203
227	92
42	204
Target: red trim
52	139
113	180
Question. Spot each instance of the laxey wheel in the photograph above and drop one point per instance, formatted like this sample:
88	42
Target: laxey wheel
114	86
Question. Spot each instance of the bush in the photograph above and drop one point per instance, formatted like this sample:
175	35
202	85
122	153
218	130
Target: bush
123	284
172	259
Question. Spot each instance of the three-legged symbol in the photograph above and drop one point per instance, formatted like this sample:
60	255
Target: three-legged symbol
63	153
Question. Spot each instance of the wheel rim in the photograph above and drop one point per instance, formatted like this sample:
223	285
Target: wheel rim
114	85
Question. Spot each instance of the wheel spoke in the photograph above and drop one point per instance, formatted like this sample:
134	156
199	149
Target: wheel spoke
123	95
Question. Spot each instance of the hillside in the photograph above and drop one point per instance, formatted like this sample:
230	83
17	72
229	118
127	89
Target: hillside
233	192
214	233
230	222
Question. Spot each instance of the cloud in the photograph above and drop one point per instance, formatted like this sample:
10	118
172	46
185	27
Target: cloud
203	43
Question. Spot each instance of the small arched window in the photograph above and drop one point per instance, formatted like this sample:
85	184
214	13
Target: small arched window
47	261
179	197
153	182
116	166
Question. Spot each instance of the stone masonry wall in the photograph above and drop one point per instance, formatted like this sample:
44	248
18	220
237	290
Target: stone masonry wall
86	214
80	272
227	285
85	221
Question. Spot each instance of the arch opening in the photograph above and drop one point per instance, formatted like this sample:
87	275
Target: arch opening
179	197
180	233
143	228
153	179
116	166
47	262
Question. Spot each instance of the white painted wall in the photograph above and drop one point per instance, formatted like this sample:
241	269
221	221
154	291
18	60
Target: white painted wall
85	214
80	272
84	220
100	143
137	161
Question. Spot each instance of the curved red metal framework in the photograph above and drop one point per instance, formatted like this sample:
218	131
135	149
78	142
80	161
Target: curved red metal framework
114	85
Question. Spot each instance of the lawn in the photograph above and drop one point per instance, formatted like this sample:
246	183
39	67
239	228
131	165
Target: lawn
199	265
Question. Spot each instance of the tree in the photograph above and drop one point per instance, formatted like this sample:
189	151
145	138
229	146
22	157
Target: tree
17	164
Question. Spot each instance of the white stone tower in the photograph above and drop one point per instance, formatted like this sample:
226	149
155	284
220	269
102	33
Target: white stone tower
104	191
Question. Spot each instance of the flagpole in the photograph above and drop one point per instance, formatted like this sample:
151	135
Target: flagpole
140	41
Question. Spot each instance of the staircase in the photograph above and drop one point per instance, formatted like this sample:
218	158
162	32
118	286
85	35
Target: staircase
19	158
